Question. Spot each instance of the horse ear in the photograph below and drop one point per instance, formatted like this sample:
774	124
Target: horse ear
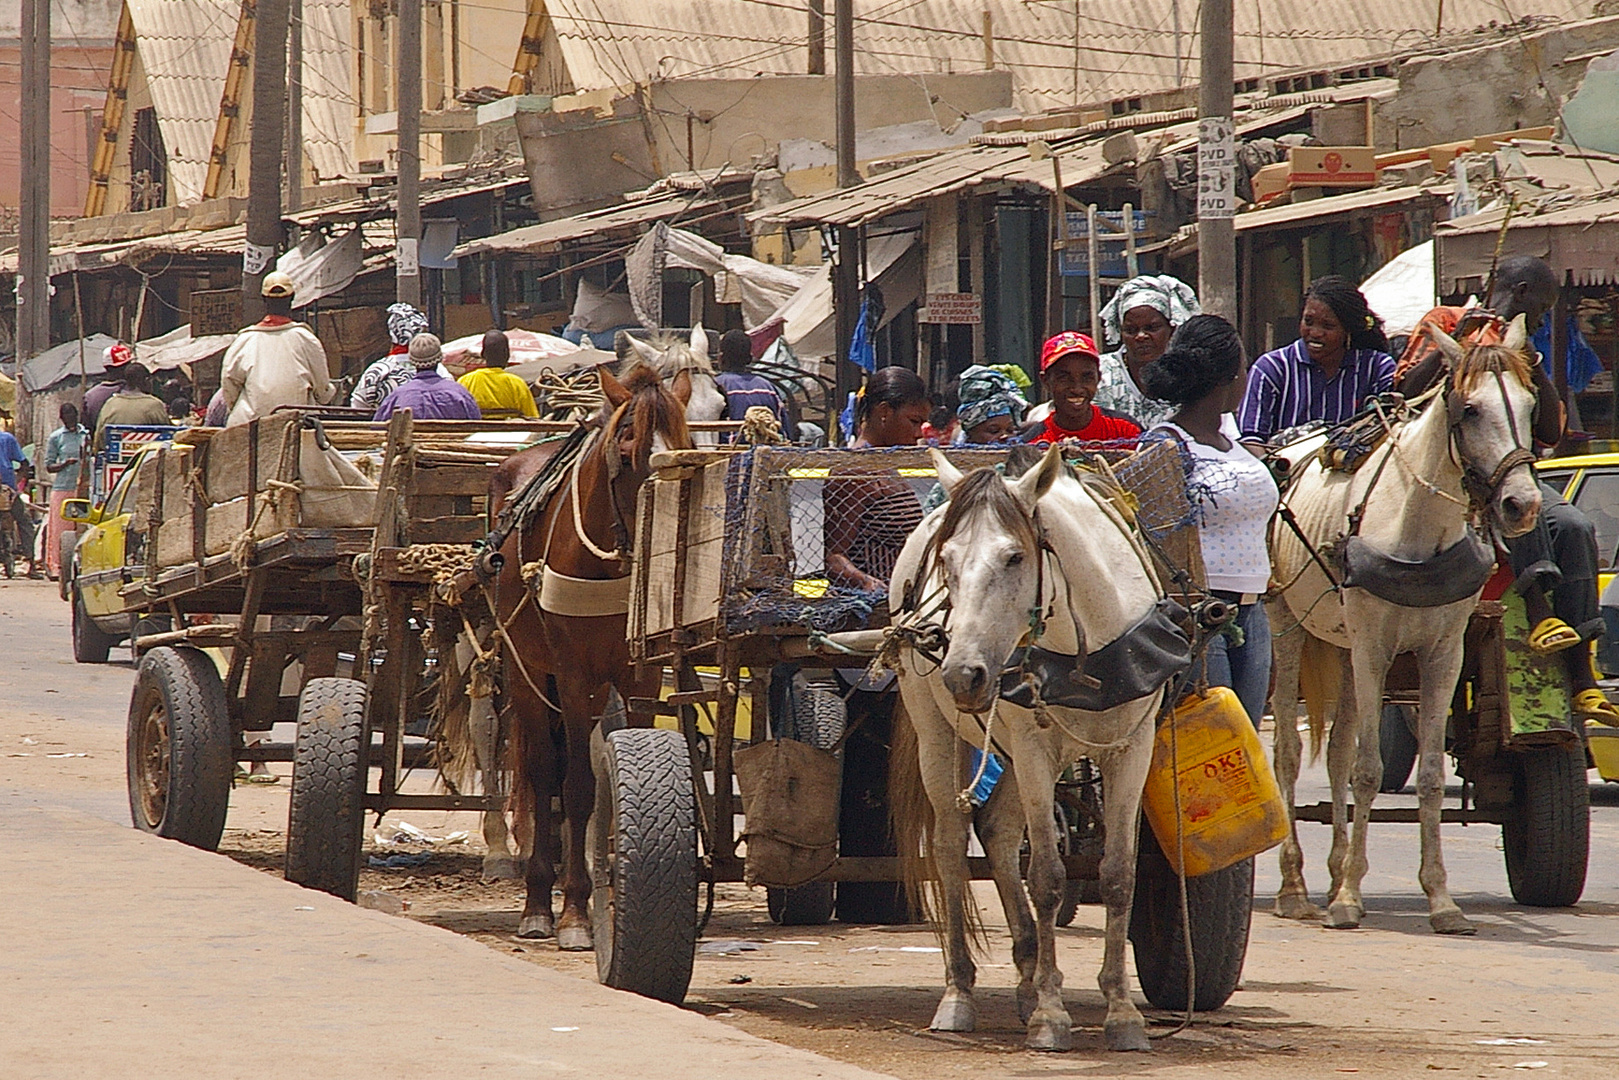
699	342
1517	338
680	387
1447	346
612	389
647	353
1029	487
949	475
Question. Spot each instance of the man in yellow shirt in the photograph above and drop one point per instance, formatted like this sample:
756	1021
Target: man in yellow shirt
500	394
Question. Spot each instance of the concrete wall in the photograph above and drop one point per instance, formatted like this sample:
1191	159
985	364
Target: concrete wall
1491	88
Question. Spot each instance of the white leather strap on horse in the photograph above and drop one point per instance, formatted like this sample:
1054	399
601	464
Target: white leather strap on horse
560	594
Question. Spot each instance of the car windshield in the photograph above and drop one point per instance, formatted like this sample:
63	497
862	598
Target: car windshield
1598	499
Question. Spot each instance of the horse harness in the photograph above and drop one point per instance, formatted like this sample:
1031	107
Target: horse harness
1447	576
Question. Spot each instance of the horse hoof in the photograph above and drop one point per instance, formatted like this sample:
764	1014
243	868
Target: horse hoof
1451	922
1295	906
1343	917
575	939
1027	1002
536	926
501	868
955	1014
1126	1035
1051	1033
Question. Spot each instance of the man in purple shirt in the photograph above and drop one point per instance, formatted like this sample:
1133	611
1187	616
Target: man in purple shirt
429	395
1340	359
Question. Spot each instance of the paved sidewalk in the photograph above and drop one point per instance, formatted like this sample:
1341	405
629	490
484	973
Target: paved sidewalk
129	956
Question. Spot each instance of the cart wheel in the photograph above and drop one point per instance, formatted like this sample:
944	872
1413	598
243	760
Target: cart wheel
802	905
1221	904
1548	835
327	798
1397	739
643	848
178	749
91	644
1075	839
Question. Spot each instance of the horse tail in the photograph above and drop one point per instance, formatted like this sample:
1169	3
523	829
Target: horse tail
912	818
1319	672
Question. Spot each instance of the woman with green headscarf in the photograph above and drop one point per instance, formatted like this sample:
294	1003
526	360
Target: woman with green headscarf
992	406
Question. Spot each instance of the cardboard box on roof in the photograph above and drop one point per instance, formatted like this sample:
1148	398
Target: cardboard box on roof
1332	166
1270	181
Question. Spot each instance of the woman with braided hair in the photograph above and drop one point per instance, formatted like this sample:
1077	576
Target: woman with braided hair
1340	359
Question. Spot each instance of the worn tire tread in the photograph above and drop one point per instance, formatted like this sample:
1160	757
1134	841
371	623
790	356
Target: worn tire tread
1547	840
1221	904
200	763
326	803
651	943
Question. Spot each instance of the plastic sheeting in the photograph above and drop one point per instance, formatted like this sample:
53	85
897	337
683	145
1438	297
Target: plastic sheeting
893	263
759	287
1402	291
320	268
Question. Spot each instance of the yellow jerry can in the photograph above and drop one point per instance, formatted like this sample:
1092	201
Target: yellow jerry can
1230	806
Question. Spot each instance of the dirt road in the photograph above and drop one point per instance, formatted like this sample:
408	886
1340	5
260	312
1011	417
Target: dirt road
1532	992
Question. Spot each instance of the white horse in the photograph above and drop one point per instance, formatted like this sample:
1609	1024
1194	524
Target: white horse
1466	455
669	358
1009	555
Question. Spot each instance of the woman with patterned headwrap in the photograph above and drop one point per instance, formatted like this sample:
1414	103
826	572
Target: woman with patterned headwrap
992	406
395	369
1141	317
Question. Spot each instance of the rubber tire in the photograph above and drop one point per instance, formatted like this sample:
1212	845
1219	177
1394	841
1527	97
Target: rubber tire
643	903
1221	905
1547	838
802	905
91	644
198	753
326	808
1397	741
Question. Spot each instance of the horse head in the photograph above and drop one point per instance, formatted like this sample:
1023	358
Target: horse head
988	553
1490	401
670	356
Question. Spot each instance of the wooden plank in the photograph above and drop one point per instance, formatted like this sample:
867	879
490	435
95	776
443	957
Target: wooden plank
420	507
449	530
452	479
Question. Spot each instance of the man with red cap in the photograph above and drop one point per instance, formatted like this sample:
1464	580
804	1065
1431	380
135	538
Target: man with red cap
1070	371
116	357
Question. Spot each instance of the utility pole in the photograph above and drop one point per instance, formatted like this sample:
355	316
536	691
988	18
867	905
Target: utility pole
846	268
408	221
264	153
817	37
295	106
34	227
1217	165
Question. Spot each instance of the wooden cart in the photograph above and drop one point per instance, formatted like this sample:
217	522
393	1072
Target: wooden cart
271	584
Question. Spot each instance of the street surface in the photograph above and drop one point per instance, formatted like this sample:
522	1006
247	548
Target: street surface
132	956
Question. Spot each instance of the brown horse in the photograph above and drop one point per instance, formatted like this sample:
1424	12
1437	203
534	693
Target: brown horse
567	628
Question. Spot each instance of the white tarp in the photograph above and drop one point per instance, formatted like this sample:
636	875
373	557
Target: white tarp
178	348
1402	291
62	361
759	287
319	267
893	264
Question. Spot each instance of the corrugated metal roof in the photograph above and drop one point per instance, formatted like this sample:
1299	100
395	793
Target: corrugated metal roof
949	172
550	235
329	102
1576	235
184	47
1059	53
1316	211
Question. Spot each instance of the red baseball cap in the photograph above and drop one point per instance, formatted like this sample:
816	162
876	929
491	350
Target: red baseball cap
118	354
1067	343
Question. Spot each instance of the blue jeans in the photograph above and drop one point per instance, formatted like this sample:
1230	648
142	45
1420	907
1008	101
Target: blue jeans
1244	668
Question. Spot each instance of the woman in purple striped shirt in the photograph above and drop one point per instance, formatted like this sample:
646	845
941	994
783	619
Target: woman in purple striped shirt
1340	359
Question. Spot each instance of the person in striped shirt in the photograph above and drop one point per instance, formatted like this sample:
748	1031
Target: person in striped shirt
1340	359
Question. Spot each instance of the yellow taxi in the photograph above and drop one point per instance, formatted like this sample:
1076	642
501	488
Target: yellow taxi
1591	483
105	558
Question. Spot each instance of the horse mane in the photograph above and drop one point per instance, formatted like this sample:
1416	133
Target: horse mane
651	410
983	490
1482	360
